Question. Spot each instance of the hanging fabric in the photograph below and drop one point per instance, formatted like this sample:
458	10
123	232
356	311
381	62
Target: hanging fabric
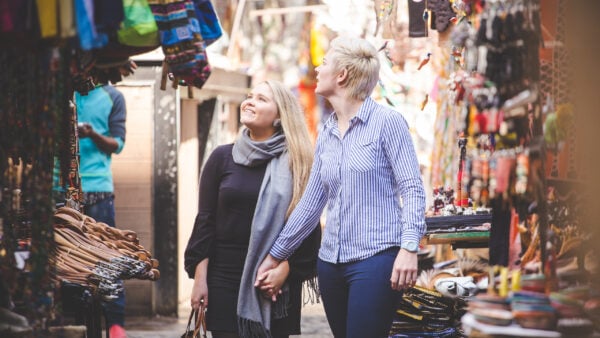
108	15
6	16
9	10
210	28
48	18
417	19
89	37
182	42
139	27
66	19
19	16
441	14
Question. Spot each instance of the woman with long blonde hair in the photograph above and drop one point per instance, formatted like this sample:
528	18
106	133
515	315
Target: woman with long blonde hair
247	191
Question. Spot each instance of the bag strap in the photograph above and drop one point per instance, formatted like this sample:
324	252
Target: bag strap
193	314
200	323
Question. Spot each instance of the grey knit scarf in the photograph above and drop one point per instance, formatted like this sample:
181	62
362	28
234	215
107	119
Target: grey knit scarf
254	311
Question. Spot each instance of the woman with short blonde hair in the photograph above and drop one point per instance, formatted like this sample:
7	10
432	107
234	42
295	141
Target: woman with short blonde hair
364	163
360	59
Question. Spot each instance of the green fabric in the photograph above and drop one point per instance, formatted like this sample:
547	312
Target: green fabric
139	28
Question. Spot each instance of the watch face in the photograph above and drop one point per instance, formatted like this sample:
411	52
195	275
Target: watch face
411	246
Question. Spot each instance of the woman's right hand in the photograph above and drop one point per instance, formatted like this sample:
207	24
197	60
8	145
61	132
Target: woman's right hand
199	296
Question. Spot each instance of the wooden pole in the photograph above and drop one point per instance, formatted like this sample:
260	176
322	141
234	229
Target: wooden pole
236	27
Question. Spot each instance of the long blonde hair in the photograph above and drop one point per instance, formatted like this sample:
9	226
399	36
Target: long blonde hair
297	137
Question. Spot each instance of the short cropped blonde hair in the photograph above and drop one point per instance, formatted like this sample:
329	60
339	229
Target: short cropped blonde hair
359	58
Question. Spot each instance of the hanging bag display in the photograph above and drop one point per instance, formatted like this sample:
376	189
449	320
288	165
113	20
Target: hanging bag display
210	28
182	42
139	28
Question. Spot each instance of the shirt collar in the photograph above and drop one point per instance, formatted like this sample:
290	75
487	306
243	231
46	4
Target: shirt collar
363	114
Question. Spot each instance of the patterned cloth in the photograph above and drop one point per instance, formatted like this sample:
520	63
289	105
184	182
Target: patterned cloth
181	40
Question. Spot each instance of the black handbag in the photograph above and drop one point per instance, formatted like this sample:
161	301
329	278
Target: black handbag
199	328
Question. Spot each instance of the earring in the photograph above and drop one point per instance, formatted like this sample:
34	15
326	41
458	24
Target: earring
277	123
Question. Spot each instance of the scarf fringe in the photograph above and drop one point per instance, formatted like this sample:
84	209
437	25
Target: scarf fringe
310	291
250	329
280	307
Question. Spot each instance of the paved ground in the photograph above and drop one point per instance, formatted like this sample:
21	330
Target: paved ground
314	325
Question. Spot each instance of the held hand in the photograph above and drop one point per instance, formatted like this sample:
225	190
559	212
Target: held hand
273	281
404	272
199	296
268	263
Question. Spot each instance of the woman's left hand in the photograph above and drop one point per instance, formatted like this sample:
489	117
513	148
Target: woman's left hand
273	280
404	272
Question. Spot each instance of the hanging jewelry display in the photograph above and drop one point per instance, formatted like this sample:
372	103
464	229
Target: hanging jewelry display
34	87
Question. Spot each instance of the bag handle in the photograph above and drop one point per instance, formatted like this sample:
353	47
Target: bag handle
200	323
193	314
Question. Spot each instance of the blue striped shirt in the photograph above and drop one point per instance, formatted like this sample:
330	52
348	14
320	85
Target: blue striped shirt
362	177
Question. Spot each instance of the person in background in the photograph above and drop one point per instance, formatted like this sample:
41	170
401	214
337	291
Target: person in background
101	116
366	172
247	191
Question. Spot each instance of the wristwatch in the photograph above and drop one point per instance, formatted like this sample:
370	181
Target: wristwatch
410	246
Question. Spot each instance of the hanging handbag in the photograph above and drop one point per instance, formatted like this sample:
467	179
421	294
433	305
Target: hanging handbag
199	328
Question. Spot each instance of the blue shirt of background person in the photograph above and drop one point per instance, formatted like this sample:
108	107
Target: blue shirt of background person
104	110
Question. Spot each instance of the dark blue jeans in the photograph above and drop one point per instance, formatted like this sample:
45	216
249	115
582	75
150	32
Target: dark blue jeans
358	298
104	211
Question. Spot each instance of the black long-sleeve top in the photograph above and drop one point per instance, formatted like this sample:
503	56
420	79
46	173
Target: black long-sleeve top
227	200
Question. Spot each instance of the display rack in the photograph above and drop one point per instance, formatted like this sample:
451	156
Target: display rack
458	221
473	328
460	231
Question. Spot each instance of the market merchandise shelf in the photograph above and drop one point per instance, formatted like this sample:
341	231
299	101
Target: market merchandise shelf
461	239
473	328
439	222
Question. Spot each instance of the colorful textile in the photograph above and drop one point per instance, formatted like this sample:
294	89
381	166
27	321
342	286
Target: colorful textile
181	41
47	15
139	27
89	37
210	29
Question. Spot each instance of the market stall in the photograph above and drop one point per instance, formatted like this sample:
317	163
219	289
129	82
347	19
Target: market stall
56	263
505	251
505	173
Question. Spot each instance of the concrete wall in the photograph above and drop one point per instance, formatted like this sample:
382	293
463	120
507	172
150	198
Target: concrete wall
132	170
188	163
